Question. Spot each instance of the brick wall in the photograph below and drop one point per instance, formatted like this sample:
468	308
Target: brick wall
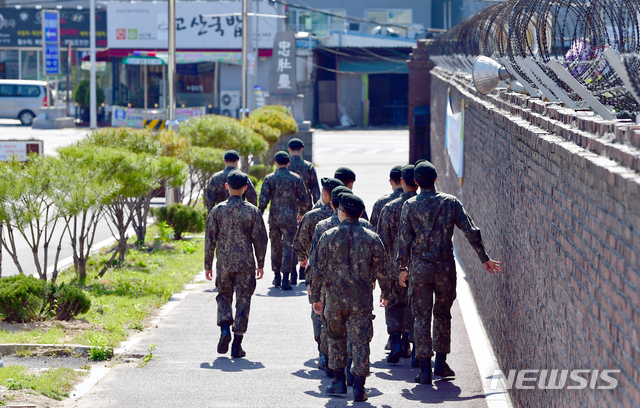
419	94
556	194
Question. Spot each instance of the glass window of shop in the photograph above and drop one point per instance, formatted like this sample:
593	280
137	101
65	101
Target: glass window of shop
194	84
9	64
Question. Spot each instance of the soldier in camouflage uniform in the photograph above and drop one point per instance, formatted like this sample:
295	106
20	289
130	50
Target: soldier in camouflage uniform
395	175
425	254
346	264
235	229
397	315
307	171
216	191
348	177
287	194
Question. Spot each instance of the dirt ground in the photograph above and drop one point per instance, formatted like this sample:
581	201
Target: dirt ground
71	328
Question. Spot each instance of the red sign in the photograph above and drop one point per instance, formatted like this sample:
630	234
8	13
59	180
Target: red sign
121	34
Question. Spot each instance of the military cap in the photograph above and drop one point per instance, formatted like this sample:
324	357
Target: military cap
231	156
344	174
329	183
335	193
419	161
407	174
425	171
352	203
282	157
396	171
237	179
295	143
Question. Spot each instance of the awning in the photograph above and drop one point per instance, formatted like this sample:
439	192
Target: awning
136	60
233	57
373	67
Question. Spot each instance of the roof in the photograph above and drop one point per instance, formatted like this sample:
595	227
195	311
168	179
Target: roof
352	39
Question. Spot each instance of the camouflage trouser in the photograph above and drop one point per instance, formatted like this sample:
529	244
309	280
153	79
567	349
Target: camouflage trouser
282	255
245	285
441	282
345	327
398	312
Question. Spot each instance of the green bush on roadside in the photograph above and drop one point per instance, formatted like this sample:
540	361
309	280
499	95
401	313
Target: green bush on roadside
25	299
181	218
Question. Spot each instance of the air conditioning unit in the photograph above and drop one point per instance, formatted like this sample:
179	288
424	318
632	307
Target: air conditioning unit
229	103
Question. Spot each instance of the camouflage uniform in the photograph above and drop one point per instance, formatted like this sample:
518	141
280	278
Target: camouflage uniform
380	203
346	262
319	324
217	192
236	229
304	234
287	194
397	314
319	204
425	246
307	171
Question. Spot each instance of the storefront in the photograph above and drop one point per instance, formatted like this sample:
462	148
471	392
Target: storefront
21	41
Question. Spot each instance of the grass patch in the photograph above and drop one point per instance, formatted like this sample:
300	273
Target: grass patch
127	294
38	336
55	383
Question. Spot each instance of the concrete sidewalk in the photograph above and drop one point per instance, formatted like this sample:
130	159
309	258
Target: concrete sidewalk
280	369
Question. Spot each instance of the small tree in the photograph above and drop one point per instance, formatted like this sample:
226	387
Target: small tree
27	209
92	185
276	117
204	162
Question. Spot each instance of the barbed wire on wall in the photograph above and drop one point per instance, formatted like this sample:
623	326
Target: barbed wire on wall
527	35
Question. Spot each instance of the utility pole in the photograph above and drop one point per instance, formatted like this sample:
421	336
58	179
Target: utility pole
172	123
245	34
93	117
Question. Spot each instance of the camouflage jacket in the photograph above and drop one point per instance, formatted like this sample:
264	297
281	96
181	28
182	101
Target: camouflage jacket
380	203
322	227
388	228
287	194
307	171
347	262
426	228
364	215
217	192
236	229
304	234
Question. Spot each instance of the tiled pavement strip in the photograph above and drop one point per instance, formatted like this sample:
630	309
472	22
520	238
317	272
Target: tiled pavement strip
280	368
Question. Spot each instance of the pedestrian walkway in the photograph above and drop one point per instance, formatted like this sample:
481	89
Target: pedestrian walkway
280	369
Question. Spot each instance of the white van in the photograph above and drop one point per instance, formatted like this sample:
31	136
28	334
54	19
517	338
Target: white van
21	99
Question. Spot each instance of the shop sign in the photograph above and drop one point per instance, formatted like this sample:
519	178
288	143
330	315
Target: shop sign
123	116
144	25
19	149
23	27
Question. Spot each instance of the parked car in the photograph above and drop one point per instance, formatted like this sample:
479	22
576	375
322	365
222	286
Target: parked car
21	99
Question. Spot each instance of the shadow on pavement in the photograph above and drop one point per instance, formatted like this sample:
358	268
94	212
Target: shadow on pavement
277	292
440	391
232	365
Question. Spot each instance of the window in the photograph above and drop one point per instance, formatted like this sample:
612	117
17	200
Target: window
28	90
400	17
7	90
316	23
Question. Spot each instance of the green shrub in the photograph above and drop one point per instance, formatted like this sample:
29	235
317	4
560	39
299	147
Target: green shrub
70	302
25	299
260	171
278	117
181	218
83	97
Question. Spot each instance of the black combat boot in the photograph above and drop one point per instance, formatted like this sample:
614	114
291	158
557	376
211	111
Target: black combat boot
425	371
236	347
294	276
396	349
339	384
414	360
301	274
406	345
285	281
441	368
277	280
359	393
349	375
225	338
327	370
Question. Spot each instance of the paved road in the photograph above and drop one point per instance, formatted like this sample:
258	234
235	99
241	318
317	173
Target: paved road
280	368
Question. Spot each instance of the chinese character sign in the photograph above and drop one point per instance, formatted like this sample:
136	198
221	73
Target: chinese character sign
282	73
